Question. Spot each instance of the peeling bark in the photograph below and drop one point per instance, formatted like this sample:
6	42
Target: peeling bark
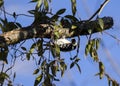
45	31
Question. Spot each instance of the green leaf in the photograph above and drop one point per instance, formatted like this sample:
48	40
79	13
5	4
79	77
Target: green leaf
28	56
73	27
38	80
78	67
43	65
61	11
36	71
87	49
72	65
73	2
77	59
1	3
31	11
46	5
89	31
4	54
101	69
72	18
57	50
94	54
54	69
40	47
3	76
63	67
32	48
101	23
56	33
39	2
97	43
55	17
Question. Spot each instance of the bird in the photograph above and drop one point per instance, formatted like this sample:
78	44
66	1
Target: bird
66	45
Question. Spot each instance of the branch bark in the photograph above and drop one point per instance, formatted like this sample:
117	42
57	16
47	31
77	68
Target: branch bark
45	31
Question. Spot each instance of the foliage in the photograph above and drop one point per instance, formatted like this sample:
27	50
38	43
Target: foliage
48	68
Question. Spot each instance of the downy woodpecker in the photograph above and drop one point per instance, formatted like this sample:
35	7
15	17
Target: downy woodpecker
66	45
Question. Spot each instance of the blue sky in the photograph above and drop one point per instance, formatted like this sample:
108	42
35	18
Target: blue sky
89	68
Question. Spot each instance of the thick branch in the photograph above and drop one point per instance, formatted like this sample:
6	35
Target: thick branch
45	31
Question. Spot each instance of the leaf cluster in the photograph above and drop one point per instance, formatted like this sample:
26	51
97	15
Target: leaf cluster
92	47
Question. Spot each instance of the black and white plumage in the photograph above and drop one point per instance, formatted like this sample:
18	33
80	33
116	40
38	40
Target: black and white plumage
66	45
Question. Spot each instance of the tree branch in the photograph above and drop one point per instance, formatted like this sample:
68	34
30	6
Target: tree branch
45	31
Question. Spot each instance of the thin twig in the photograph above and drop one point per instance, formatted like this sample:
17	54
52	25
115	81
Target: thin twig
99	10
112	36
16	15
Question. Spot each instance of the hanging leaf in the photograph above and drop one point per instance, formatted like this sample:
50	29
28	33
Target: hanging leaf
101	23
97	43
46	5
87	49
101	69
78	67
73	2
72	65
36	71
38	80
38	5
43	65
63	67
3	76
54	69
4	54
28	56
93	54
1	2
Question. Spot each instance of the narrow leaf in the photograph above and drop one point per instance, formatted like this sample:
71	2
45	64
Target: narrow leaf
46	4
61	11
73	2
63	67
28	56
73	18
78	67
23	48
101	69
101	23
1	3
4	54
36	71
72	65
39	2
38	80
